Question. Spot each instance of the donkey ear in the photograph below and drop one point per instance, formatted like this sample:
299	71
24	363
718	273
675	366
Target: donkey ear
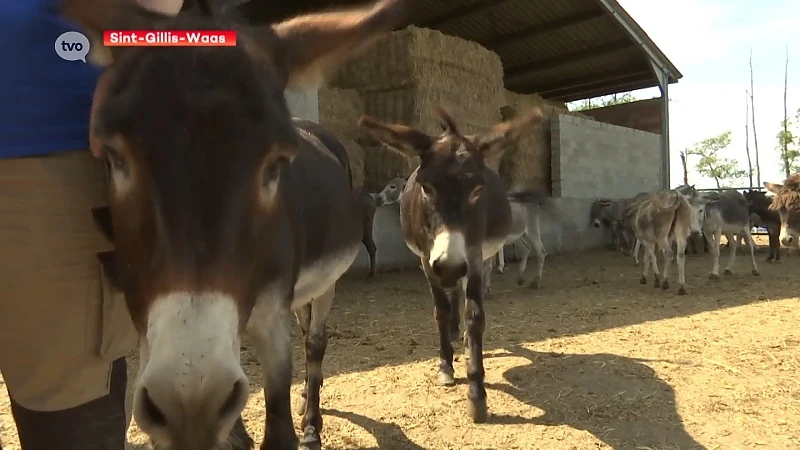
313	45
97	16
404	139
504	134
775	188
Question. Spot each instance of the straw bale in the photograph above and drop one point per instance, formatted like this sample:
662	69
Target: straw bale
339	111
381	164
420	55
355	154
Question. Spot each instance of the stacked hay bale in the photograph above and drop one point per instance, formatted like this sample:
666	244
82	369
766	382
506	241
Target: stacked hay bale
402	79
339	111
527	165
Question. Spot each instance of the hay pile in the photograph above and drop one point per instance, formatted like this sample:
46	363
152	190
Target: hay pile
402	79
527	165
339	111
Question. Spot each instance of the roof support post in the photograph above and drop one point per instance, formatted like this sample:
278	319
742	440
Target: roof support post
663	84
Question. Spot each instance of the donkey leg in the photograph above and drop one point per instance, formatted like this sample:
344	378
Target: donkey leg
371	251
680	255
751	243
488	265
475	323
316	342
271	334
540	254
525	253
646	268
669	255
635	255
501	260
651	250
733	244
714	241
303	315
443	312
774	244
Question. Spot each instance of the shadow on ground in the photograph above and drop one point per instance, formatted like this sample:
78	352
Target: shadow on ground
619	400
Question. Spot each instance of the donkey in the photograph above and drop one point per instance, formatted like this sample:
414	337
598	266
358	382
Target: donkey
227	216
606	212
660	220
391	193
727	213
454	215
760	206
618	215
786	203
526	211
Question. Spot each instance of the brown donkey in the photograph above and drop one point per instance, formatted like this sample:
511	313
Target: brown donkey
226	214
454	215
787	203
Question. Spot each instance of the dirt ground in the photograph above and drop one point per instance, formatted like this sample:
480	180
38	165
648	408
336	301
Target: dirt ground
592	360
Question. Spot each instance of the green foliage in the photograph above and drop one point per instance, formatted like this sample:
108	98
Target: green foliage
712	163
789	144
615	99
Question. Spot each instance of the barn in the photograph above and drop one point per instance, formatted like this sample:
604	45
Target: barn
485	61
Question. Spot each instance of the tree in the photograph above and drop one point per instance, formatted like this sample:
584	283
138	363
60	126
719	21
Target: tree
753	118
685	167
712	164
747	139
600	102
789	144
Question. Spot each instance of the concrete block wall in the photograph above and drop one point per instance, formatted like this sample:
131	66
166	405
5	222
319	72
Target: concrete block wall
592	159
303	104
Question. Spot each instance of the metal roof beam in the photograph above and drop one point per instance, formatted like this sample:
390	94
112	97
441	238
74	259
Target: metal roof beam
599	91
567	58
550	27
597	80
475	8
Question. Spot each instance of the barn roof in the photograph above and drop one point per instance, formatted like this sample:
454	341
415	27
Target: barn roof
563	50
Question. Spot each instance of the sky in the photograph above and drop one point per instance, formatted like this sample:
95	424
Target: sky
709	41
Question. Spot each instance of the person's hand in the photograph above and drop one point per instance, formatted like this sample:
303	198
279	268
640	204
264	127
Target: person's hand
170	7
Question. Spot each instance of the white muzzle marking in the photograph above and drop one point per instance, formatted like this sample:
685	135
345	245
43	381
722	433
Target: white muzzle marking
192	362
449	248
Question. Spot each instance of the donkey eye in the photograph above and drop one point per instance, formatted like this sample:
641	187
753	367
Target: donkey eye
427	189
115	160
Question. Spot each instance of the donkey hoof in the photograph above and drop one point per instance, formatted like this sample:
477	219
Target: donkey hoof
300	409
445	378
501	270
713	276
636	264
656	283
728	272
310	440
755	272
665	285
534	284
520	282
643	280
477	410
682	291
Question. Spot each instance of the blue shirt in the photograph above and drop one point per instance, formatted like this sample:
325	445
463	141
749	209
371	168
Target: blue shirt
45	101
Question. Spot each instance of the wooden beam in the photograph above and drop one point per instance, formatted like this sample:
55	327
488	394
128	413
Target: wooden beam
460	13
560	60
549	27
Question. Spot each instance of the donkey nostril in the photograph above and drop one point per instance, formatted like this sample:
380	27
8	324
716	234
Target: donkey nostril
236	400
151	411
